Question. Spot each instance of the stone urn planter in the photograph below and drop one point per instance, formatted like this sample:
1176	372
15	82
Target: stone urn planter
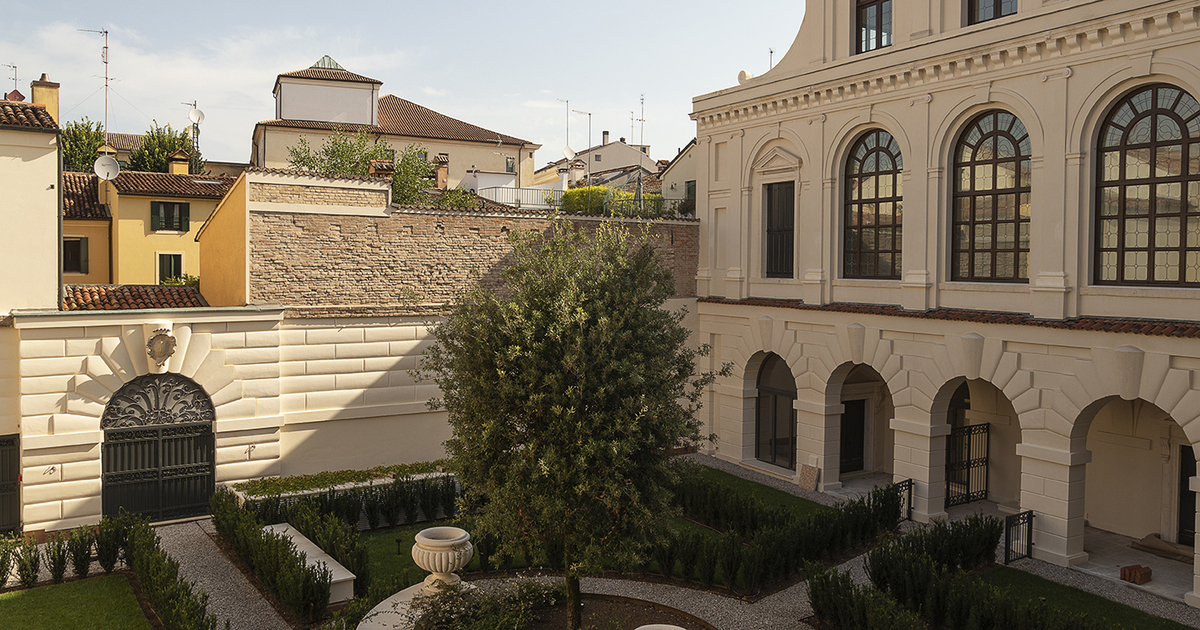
442	551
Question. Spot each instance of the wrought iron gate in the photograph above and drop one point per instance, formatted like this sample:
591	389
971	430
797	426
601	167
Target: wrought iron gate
967	464
10	483
164	472
1018	536
158	450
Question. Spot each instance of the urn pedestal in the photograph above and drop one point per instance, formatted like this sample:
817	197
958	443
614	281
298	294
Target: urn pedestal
442	551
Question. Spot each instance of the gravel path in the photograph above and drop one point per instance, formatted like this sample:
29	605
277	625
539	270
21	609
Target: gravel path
231	596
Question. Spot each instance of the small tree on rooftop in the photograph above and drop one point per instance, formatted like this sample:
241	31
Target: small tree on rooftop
158	143
80	140
343	154
565	392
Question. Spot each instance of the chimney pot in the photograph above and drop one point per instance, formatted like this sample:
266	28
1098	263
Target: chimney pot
605	134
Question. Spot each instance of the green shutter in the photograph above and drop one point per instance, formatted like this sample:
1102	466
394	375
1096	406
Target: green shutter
183	216
156	215
83	255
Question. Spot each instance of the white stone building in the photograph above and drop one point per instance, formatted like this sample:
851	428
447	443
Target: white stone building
936	214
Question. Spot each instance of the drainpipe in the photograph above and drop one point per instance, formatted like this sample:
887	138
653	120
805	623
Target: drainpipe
58	147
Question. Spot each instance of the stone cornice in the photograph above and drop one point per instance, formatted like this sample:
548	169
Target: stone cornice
1057	45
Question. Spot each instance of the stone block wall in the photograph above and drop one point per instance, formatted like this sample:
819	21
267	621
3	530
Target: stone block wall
318	260
316	195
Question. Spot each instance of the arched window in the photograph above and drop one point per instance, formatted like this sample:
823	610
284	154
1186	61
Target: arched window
775	419
1148	190
874	208
990	240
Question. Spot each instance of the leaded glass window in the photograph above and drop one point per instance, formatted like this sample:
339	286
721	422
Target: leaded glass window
874	208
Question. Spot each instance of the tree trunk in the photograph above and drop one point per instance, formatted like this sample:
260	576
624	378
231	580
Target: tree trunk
574	602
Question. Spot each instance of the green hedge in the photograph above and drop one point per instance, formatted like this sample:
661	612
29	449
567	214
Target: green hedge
404	501
174	599
273	558
837	601
322	480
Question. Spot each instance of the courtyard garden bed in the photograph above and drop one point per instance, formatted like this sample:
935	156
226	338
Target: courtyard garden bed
105	602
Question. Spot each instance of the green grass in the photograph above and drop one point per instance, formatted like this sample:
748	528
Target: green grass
770	496
385	564
97	603
1066	598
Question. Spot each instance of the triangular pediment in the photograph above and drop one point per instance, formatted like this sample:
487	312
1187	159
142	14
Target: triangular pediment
777	159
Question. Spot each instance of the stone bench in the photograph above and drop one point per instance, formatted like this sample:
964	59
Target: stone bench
341	586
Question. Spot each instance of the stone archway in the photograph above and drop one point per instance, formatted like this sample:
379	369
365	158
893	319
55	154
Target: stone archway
158	452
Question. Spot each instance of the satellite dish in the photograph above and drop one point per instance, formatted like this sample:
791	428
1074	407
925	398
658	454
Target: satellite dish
106	167
568	153
196	116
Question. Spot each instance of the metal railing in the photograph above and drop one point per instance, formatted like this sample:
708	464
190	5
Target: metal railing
1018	536
905	488
523	197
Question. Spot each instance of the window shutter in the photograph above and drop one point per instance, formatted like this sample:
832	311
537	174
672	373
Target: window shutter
184	209
156	212
83	255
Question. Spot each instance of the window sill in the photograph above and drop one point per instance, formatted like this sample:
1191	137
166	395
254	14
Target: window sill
985	287
170	232
1170	293
867	283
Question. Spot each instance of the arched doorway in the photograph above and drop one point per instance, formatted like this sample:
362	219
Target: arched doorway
158	448
865	443
775	415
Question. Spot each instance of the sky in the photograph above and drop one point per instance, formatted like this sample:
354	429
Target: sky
500	65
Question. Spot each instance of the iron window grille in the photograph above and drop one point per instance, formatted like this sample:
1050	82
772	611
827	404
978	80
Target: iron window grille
991	207
780	204
1148	190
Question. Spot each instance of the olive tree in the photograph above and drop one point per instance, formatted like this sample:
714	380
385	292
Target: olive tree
566	391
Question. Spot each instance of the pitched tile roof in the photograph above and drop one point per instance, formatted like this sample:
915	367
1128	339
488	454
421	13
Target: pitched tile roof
169	185
125	141
81	197
1160	328
121	297
327	74
399	117
26	115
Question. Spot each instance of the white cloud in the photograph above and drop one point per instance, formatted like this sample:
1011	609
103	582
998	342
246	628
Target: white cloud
429	91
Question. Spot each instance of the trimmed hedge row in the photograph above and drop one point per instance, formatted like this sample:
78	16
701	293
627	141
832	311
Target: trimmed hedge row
404	501
273	558
317	481
762	544
178	606
844	605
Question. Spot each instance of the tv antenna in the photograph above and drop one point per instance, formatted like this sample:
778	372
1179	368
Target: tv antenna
567	152
15	80
641	150
197	117
104	58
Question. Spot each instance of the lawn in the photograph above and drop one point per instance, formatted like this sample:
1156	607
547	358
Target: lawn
1070	599
97	603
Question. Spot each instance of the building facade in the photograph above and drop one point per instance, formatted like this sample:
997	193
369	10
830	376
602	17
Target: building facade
934	216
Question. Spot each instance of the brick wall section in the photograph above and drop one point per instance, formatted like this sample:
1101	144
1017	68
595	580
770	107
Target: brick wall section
317	260
317	195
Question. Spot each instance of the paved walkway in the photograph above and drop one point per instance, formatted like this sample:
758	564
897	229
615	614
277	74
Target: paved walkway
230	595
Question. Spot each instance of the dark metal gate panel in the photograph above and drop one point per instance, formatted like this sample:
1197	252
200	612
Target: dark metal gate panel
1018	536
10	483
164	472
967	464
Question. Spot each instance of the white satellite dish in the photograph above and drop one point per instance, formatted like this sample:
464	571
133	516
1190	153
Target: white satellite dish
106	167
196	116
568	153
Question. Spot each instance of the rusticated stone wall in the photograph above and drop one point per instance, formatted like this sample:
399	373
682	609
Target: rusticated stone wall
317	195
321	260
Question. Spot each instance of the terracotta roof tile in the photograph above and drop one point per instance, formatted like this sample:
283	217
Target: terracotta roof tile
122	297
125	141
1158	328
26	115
169	185
81	198
328	74
399	117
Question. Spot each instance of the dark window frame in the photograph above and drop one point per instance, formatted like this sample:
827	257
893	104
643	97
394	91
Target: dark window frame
779	229
981	211
873	22
766	416
1137	231
77	262
162	269
170	216
980	11
865	220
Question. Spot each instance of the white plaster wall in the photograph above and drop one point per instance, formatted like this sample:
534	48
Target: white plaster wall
1128	461
29	214
321	101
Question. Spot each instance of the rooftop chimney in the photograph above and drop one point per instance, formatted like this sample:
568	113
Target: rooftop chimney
605	138
381	167
177	162
45	92
15	97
